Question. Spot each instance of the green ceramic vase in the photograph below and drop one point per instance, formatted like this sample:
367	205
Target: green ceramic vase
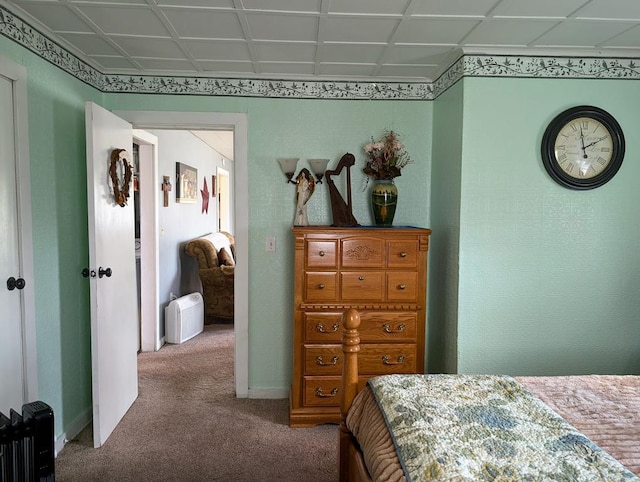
384	198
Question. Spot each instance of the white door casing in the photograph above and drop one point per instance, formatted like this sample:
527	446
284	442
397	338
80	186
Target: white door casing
238	123
114	304
224	201
18	357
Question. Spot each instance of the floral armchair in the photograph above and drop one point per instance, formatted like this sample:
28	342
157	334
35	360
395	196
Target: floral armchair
215	254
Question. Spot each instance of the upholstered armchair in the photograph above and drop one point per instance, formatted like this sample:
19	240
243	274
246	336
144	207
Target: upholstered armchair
215	254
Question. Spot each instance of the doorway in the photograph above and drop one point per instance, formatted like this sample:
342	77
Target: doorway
224	201
238	124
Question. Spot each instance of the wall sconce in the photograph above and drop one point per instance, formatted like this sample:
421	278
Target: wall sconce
290	165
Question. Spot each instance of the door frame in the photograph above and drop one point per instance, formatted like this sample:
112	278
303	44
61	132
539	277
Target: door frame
149	250
221	174
238	123
18	75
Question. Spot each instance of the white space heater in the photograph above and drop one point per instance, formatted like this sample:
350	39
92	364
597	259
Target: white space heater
184	318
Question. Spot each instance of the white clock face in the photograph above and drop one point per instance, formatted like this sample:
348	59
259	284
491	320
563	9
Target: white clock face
583	148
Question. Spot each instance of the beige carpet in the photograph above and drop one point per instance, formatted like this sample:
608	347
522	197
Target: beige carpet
187	425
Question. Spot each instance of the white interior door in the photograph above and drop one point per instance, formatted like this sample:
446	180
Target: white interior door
11	355
114	310
224	200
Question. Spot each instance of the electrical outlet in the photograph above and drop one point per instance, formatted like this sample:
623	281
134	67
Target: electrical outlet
270	244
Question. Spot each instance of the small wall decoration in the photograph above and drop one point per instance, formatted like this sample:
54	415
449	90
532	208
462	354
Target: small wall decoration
120	172
214	193
166	187
205	197
186	183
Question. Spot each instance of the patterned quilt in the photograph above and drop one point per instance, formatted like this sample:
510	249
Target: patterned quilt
485	428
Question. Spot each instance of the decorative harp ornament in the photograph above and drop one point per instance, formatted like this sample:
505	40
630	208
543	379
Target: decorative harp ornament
341	210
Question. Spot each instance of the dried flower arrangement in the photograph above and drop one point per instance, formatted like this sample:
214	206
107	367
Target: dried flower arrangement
386	157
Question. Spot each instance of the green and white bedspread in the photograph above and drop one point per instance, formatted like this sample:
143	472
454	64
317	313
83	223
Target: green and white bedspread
485	428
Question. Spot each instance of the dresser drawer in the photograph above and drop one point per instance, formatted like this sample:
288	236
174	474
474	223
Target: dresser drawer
402	254
402	286
362	252
322	391
321	253
362	285
380	359
321	286
384	326
323	359
322	327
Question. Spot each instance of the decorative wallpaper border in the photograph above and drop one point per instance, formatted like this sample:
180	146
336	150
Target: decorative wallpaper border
16	29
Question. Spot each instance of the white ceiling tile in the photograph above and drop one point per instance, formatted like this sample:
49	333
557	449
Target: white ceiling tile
196	3
205	24
628	39
299	68
57	17
582	34
282	27
401	71
433	30
121	2
620	9
217	50
347	70
508	32
228	67
537	8
283	5
351	53
166	64
280	52
454	7
114	63
417	54
90	44
146	47
350	29
123	20
388	7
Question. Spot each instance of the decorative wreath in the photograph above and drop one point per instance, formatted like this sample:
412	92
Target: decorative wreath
120	175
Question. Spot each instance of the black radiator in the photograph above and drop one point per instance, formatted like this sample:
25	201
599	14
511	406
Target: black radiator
26	444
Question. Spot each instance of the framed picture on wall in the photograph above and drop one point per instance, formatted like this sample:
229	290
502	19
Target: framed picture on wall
186	183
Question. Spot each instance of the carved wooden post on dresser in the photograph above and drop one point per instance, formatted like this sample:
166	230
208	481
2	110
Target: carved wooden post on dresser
382	273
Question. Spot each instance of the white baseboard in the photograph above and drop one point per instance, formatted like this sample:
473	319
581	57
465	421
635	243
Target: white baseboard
268	393
73	430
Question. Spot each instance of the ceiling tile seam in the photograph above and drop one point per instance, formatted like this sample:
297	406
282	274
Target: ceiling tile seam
174	35
320	37
246	31
101	33
390	44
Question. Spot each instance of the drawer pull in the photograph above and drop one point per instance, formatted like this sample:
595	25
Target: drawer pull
319	393
387	328
321	253
320	328
321	286
385	360
334	361
403	254
402	286
361	278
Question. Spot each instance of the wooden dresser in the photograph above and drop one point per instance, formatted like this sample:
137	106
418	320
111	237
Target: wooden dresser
382	272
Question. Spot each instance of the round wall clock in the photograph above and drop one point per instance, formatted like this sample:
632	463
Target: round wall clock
583	147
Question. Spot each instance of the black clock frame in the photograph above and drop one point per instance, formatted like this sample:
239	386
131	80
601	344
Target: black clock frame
548	147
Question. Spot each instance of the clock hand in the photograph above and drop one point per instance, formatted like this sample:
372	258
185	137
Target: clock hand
595	142
584	152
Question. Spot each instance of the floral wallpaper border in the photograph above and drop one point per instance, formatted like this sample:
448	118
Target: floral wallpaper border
16	29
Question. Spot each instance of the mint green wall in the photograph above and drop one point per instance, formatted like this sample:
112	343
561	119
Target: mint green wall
59	203
549	277
304	129
445	224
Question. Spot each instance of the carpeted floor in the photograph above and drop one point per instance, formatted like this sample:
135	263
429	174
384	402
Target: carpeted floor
187	425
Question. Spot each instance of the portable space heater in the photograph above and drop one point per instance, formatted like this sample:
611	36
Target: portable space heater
26	444
184	318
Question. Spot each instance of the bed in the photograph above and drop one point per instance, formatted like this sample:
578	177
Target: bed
573	427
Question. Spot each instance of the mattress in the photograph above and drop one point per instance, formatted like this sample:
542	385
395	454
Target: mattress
605	408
